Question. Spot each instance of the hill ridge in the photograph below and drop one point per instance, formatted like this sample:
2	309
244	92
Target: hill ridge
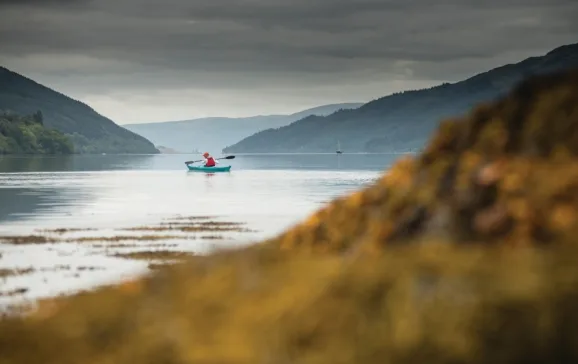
36	83
90	131
402	121
215	133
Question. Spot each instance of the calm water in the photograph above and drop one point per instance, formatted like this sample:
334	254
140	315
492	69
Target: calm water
100	190
107	193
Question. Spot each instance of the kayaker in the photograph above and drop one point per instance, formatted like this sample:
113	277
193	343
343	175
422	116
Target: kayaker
209	161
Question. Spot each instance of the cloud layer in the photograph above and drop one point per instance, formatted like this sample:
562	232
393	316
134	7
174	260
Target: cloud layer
145	60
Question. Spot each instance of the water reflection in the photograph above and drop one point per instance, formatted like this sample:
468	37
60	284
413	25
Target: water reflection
36	163
15	202
16	164
46	195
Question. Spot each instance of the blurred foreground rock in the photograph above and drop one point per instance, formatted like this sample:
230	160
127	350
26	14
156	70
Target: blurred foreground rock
507	173
465	254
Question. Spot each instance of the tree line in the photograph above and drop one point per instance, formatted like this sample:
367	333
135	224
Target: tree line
28	135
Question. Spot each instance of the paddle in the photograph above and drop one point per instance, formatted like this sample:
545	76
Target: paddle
228	157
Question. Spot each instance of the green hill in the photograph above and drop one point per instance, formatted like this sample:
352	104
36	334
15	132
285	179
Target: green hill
27	135
402	121
89	131
215	133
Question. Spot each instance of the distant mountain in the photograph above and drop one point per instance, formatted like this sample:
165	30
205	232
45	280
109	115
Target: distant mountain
89	131
402	121
214	133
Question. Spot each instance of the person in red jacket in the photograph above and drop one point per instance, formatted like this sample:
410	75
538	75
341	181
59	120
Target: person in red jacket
209	161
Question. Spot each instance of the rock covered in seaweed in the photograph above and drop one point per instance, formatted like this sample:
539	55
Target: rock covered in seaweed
507	173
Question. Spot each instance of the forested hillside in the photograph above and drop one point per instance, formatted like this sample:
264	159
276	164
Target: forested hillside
28	135
402	121
89	131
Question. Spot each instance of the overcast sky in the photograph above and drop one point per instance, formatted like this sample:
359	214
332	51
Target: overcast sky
145	60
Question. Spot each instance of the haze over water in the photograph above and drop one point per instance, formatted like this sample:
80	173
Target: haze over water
108	193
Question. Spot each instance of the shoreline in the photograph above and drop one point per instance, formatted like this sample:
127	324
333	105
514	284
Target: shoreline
51	263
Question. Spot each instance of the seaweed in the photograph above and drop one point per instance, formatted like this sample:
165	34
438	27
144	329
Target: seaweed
154	254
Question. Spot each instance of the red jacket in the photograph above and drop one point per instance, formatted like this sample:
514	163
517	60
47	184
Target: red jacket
210	162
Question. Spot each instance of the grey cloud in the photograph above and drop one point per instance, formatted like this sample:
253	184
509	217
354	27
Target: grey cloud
43	3
254	44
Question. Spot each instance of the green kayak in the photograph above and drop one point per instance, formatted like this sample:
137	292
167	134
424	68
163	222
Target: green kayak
209	169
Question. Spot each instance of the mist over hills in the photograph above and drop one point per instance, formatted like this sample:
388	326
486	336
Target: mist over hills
402	121
215	133
89	131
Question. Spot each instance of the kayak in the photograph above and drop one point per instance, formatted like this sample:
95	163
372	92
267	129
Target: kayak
209	169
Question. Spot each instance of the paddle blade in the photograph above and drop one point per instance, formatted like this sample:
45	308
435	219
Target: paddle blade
230	157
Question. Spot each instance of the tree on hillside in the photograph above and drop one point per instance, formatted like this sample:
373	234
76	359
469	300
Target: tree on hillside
38	117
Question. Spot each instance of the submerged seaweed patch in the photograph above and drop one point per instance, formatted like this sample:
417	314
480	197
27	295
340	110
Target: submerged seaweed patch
14	292
190	218
156	266
183	224
213	237
133	245
58	267
5	272
89	268
155	254
66	230
12	272
207	226
129	238
27	239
